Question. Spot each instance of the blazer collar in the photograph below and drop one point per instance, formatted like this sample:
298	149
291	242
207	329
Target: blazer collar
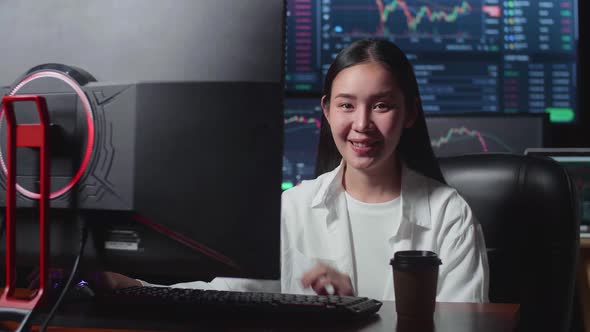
329	187
414	195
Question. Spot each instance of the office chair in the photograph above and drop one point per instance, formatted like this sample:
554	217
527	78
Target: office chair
529	213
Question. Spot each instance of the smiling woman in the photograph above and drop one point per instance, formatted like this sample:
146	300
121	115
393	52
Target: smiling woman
382	190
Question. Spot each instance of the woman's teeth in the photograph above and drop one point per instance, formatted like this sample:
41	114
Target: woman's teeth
360	144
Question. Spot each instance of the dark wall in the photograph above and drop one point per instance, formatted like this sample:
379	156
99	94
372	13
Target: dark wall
138	40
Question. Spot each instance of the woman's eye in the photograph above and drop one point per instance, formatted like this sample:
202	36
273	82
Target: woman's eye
381	107
346	106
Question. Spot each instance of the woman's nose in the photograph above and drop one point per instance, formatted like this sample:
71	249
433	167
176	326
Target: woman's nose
362	119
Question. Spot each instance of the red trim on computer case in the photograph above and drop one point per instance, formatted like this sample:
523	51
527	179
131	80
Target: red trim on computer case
89	124
189	243
36	136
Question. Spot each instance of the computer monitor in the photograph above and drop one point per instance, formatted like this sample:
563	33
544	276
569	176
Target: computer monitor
166	138
577	162
303	117
469	56
458	134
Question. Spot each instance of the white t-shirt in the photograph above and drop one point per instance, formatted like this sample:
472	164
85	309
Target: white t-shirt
372	224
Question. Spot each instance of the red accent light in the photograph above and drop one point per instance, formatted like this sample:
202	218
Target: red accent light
189	242
89	124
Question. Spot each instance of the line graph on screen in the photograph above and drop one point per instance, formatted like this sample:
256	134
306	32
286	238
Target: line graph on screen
411	18
297	123
463	138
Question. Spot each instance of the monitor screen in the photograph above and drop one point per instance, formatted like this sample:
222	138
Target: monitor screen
577	162
469	56
459	134
164	140
302	131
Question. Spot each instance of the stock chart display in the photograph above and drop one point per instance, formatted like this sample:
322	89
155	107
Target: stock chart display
469	56
302	129
480	133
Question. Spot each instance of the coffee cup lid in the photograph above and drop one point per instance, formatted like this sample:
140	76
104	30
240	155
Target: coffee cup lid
407	258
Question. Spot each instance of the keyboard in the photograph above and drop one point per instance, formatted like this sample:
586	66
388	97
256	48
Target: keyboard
182	302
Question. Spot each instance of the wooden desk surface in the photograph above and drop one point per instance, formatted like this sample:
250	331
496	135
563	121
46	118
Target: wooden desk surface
449	317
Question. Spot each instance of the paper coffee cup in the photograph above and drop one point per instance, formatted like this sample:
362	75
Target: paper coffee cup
415	277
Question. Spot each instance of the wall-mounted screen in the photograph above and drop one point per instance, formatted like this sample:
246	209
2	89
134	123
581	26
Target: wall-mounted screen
469	56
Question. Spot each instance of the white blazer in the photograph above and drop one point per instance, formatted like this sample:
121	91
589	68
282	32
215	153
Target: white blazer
315	228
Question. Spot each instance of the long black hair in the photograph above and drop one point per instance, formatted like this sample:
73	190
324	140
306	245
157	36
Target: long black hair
414	145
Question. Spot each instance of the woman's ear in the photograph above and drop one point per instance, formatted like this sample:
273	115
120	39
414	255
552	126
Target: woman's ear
326	107
412	114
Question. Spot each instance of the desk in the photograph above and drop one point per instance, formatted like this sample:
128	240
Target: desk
583	281
449	317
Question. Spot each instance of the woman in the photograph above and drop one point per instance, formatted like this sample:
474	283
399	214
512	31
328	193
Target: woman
384	192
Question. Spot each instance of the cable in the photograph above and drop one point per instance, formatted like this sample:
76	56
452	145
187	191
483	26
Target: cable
66	287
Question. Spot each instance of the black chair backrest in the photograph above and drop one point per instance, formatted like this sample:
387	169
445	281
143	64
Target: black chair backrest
528	209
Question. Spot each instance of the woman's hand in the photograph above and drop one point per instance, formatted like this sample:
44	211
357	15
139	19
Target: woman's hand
111	280
323	278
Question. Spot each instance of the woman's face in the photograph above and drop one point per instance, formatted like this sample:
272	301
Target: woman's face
367	114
